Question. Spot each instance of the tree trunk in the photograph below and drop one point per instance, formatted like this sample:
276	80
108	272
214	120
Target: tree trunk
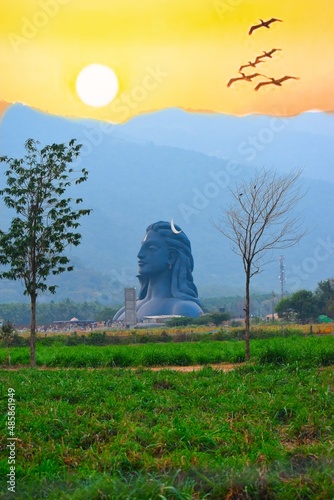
247	356
33	331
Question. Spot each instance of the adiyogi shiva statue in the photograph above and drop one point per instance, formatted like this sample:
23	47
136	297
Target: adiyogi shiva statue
165	265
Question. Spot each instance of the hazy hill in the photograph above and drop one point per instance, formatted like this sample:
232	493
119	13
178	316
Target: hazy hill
135	180
305	140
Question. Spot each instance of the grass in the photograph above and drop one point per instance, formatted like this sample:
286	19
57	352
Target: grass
262	431
309	351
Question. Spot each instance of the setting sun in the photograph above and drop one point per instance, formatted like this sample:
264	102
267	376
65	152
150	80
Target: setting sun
97	85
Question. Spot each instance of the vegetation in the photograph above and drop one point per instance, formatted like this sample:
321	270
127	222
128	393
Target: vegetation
120	431
264	430
214	318
64	310
47	312
7	332
261	304
324	295
305	306
259	219
87	351
44	223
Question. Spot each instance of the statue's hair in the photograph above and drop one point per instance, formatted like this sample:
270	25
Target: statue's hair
182	285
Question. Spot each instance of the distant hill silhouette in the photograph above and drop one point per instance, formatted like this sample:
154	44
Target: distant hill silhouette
253	140
169	165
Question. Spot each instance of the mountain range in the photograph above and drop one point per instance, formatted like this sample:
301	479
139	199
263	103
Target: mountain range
180	165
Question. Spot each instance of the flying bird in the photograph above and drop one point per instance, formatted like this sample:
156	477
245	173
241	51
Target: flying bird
248	78
250	64
264	24
266	54
275	81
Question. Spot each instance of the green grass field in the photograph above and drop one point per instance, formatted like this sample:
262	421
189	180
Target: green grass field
262	431
310	351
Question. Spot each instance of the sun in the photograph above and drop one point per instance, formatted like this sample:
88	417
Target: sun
97	85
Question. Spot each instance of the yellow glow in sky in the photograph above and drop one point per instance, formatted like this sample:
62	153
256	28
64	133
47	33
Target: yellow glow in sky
167	53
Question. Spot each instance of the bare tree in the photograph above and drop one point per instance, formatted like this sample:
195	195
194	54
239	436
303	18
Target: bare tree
259	219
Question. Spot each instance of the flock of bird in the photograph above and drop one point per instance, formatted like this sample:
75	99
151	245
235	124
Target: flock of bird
261	59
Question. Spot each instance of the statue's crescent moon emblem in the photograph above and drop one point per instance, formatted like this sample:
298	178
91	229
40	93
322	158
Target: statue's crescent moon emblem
173	228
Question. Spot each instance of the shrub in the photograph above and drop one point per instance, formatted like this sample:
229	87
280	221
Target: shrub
115	340
7	331
180	337
74	339
224	334
182	321
164	337
217	318
235	324
144	339
97	338
18	341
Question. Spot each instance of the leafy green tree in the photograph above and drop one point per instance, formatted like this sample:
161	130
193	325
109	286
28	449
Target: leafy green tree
259	219
283	309
106	313
325	297
216	318
181	321
205	319
302	304
48	312
45	223
17	313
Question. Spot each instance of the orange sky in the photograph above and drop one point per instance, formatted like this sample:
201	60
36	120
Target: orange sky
167	53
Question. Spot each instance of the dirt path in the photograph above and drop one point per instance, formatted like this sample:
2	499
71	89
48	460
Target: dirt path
226	367
193	368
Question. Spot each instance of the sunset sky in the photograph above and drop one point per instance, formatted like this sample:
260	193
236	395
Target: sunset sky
167	53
